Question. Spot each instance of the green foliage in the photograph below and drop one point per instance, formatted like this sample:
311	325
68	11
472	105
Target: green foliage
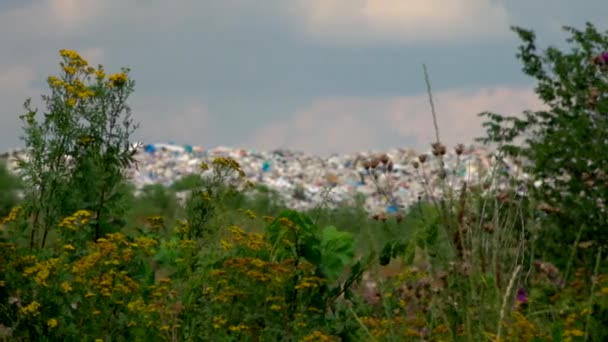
471	265
328	249
9	187
565	144
77	153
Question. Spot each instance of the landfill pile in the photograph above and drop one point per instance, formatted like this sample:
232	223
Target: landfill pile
387	181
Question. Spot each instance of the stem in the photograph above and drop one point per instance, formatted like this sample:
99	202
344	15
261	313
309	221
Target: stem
593	283
428	88
505	299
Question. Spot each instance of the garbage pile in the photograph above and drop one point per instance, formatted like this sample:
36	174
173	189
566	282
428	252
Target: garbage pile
384	181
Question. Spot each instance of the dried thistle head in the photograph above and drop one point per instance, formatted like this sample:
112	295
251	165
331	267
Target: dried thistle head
398	218
384	159
438	149
415	164
488	228
367	164
383	217
422	158
374	163
459	149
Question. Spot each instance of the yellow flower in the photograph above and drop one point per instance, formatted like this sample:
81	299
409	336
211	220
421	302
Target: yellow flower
218	322
69	247
118	80
66	287
225	245
98	340
51	323
13	215
237	328
69	70
100	74
317	336
70	54
54	82
32	308
275	307
71	102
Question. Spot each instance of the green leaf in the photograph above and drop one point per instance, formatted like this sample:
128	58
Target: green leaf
337	251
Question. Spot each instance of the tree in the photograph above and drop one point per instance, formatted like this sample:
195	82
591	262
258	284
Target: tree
565	144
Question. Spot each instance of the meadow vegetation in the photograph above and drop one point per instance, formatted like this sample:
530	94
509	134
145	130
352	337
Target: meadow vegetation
83	258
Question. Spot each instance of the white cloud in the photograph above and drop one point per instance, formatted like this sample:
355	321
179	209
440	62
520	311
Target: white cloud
177	119
51	19
403	20
353	124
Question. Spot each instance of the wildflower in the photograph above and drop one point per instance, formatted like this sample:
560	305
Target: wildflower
157	222
118	80
522	297
100	74
601	59
54	82
66	287
250	214
218	322
317	336
69	70
52	323
69	54
225	245
32	308
275	307
237	328
13	215
69	248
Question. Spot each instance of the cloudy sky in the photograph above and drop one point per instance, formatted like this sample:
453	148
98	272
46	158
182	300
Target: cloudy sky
313	75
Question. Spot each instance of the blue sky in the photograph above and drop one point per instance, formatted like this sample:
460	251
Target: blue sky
314	75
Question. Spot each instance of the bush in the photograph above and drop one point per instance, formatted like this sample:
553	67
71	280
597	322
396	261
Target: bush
563	146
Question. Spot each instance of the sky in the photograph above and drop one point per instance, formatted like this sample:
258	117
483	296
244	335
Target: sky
319	76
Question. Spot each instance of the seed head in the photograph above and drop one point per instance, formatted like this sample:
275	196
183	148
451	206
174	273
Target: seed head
459	149
438	149
422	158
374	163
384	159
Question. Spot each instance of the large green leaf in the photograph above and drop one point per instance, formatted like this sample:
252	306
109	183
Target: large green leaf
337	251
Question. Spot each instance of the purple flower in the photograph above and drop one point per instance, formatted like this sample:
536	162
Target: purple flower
522	296
602	58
